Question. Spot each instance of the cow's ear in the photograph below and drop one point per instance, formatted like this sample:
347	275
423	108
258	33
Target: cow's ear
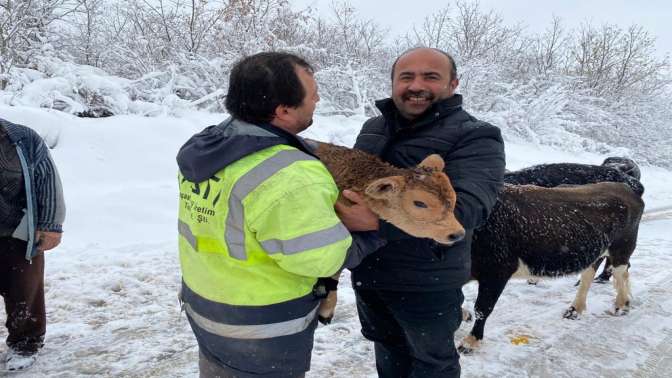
434	162
385	187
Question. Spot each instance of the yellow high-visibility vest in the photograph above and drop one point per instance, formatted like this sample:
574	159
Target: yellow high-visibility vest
261	230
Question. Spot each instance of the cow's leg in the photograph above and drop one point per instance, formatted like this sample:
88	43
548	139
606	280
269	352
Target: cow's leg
606	272
579	304
327	287
489	291
620	252
327	307
622	285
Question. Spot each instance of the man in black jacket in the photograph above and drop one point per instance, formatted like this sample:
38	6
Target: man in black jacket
409	293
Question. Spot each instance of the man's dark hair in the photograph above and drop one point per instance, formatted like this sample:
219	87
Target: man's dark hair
259	83
453	66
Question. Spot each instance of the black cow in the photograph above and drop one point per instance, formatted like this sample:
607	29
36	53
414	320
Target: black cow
551	232
613	169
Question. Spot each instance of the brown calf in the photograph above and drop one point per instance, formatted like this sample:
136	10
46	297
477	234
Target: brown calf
419	201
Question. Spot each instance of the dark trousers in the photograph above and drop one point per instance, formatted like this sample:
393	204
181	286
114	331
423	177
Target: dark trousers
209	369
22	288
413	332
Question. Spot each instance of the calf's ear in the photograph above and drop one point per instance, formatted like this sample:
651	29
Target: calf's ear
385	187
432	161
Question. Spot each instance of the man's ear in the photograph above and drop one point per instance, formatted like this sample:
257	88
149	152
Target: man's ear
453	84
281	116
281	112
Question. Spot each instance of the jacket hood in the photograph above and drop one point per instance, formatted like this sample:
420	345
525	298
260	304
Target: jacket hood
218	146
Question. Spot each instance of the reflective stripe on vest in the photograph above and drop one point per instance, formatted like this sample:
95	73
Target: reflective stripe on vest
185	231
257	331
302	243
307	242
235	221
248	314
201	243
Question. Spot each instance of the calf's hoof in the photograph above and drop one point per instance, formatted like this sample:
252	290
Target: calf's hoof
466	316
571	313
324	320
469	345
621	311
465	350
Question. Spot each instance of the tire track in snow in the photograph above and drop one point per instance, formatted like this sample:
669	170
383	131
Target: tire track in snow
659	363
658	213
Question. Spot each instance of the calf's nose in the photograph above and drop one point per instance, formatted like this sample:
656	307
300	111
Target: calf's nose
456	236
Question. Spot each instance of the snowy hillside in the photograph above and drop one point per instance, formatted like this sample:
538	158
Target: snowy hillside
111	286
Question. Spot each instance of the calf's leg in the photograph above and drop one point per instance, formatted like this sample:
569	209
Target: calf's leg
619	253
327	287
622	286
579	304
489	291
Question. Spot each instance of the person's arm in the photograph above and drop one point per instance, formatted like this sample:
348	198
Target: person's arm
304	234
360	221
50	201
363	244
476	167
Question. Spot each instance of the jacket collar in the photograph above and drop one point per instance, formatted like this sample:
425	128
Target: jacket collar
437	111
14	132
291	139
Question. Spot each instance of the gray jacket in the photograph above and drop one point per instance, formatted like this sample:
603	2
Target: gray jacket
44	193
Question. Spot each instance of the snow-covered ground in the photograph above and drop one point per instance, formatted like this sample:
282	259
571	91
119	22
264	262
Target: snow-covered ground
111	286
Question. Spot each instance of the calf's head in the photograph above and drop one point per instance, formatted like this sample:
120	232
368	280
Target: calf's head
421	202
623	165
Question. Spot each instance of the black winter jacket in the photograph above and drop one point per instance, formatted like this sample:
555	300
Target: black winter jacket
474	154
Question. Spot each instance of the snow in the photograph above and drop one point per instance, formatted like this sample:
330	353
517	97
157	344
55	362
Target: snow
111	287
17	361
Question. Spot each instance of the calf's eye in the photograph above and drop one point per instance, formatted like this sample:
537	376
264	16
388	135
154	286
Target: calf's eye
420	204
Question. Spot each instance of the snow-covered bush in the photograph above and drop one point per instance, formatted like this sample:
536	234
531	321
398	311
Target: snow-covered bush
596	88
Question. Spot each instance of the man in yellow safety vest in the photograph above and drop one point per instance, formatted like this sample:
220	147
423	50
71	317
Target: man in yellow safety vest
257	225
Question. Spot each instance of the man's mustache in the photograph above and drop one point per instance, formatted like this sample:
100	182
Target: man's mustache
426	95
